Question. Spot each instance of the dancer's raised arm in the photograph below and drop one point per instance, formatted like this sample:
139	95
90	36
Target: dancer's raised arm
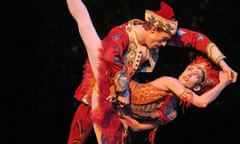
200	101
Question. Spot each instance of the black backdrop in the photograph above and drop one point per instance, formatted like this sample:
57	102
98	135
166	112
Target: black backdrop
52	71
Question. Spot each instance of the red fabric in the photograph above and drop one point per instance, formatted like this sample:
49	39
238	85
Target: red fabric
114	46
105	116
81	125
165	11
163	107
211	73
186	103
86	85
152	136
188	38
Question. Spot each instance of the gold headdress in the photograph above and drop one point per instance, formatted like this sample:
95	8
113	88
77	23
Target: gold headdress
163	19
210	73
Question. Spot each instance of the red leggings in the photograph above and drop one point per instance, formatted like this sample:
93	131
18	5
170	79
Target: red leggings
81	125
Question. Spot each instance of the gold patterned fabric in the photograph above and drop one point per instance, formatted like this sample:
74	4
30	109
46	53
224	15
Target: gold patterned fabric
169	26
214	53
144	93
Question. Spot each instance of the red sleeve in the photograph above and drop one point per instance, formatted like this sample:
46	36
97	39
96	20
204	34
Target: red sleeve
115	44
110	62
188	38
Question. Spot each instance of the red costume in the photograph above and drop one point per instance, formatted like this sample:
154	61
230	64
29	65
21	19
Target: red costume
119	59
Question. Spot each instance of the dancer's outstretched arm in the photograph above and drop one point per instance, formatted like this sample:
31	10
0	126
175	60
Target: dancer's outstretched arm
201	101
172	84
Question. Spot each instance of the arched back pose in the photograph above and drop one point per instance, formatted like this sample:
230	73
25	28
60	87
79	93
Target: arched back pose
155	103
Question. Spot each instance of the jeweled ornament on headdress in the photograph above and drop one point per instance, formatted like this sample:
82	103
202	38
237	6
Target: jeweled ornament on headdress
163	19
211	74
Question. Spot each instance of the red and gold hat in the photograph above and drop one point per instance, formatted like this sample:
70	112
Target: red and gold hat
211	74
163	18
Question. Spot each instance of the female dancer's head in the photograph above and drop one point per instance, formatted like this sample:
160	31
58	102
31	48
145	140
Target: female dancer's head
199	74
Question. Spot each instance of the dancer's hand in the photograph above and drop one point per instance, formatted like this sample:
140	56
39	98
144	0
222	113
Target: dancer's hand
112	96
224	78
123	100
231	73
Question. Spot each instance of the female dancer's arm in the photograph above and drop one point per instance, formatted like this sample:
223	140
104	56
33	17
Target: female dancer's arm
201	101
172	84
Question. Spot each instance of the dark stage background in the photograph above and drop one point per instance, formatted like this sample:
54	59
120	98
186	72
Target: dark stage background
58	56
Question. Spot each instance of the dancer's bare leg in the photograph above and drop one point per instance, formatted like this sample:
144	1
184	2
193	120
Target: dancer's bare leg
92	43
87	31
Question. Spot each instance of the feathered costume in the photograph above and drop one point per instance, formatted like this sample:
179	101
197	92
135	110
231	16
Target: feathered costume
111	62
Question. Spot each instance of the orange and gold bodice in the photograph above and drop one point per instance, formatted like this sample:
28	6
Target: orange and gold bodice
144	93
